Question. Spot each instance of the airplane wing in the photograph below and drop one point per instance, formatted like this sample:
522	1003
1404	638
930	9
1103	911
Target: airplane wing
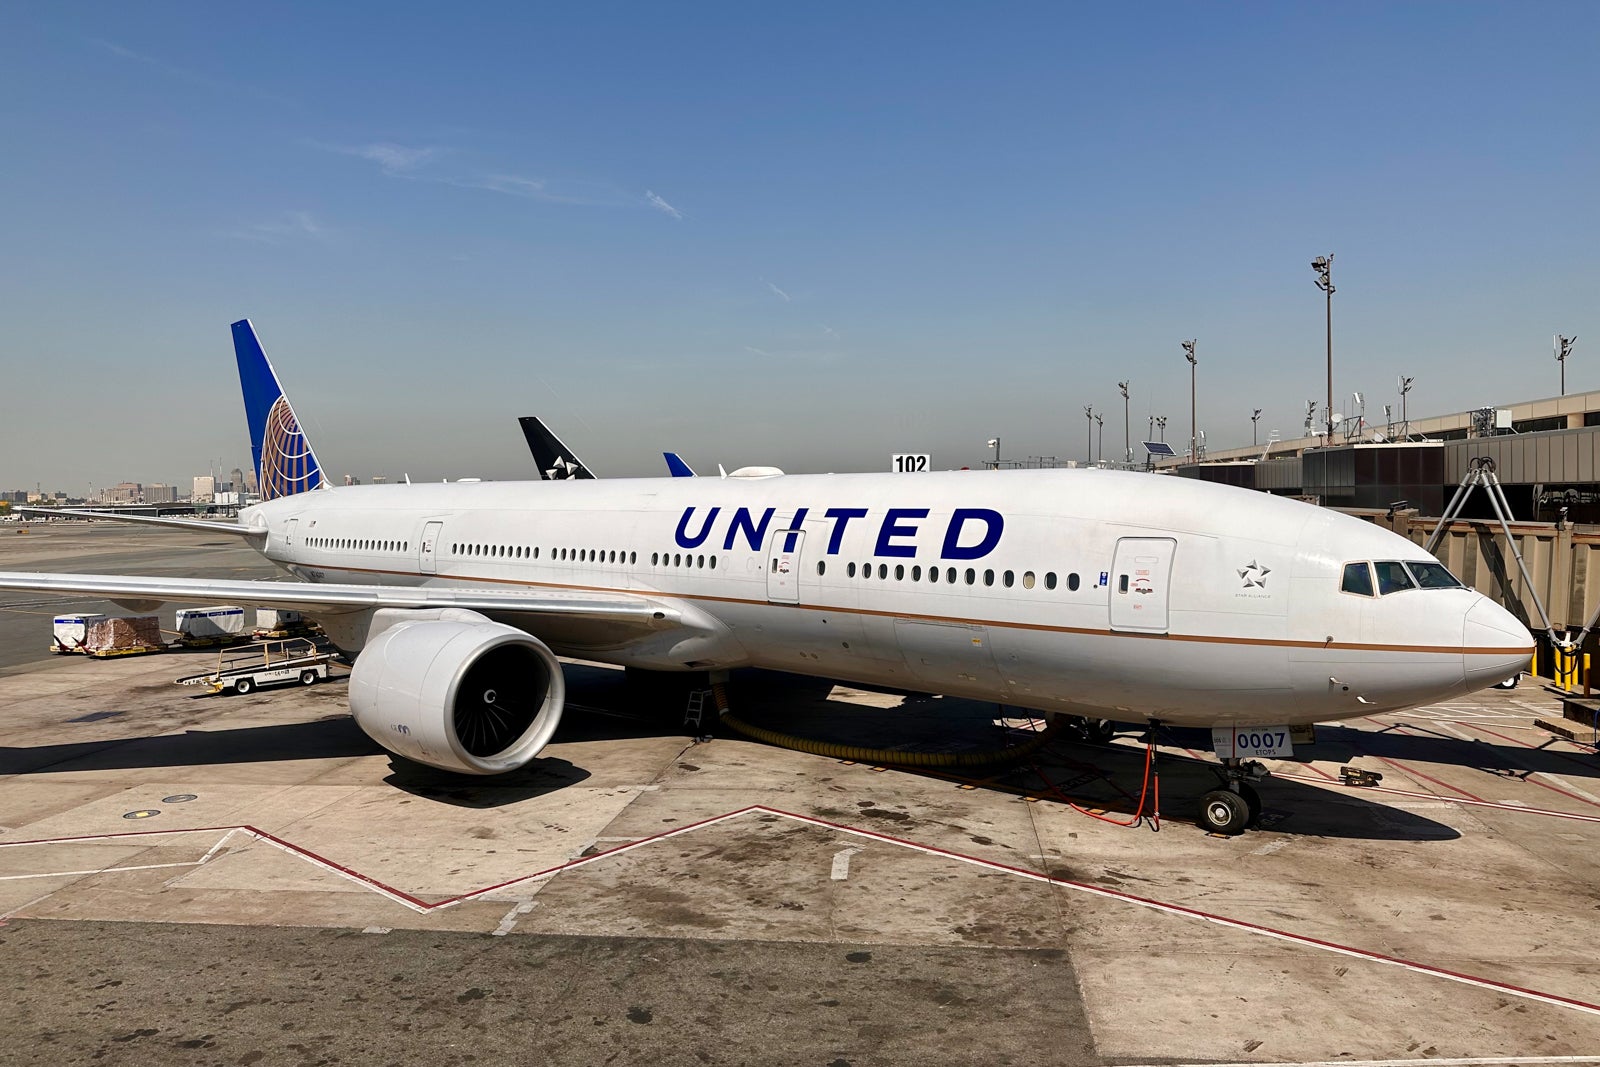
313	597
232	528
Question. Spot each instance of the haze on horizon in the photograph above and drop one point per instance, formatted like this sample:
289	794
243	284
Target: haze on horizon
806	238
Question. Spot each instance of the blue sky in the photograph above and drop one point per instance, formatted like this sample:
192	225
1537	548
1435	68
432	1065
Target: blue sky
807	236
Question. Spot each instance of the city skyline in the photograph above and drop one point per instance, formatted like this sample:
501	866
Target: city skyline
801	239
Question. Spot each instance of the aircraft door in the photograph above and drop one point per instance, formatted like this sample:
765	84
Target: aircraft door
290	530
430	547
783	566
1141	579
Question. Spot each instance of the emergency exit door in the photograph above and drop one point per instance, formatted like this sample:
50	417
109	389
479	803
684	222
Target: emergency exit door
1141	579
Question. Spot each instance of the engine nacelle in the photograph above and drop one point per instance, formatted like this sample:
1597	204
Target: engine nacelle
459	692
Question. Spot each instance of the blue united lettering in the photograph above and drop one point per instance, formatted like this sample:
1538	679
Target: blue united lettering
901	533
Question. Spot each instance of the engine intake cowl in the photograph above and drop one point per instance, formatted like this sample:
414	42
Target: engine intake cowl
461	694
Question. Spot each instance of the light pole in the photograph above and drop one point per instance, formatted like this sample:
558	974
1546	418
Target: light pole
1323	265
1161	424
1563	350
1127	440
1088	413
1100	424
994	443
1188	354
1405	423
1255	420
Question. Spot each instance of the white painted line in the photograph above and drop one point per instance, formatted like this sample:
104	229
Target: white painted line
375	930
1471	1061
1451	730
511	917
96	870
1568	785
841	863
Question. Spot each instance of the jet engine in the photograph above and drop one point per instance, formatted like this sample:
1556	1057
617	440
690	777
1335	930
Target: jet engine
457	691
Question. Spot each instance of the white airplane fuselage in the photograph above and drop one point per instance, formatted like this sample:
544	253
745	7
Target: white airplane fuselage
1121	595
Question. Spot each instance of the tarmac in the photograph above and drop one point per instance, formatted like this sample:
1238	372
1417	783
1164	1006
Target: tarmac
241	880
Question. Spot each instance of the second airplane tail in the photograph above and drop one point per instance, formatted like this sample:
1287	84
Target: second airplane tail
285	463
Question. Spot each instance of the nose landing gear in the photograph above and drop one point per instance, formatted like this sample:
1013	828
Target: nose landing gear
1236	806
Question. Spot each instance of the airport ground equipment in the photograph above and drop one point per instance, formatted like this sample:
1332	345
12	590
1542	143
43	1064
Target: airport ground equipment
280	624
203	627
132	635
1355	776
294	662
70	632
1481	472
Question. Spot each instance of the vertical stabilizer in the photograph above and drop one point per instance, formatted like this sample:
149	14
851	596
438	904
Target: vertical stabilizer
676	466
285	464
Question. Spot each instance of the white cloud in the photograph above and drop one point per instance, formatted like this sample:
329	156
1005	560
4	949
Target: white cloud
661	205
829	332
779	293
290	226
393	158
754	351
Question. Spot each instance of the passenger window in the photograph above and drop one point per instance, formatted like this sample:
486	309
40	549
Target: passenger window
713	562
1027	579
1072	582
1357	579
702	562
933	574
677	559
1049	579
883	570
899	571
850	570
950	575
1009	578
1392	577
822	568
972	576
988	577
916	574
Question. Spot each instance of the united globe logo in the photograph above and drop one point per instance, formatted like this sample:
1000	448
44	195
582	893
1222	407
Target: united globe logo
287	465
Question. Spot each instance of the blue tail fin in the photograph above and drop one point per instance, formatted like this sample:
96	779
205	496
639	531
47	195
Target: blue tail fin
676	466
285	464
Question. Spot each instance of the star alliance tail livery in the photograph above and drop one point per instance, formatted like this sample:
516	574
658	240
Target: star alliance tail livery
1105	594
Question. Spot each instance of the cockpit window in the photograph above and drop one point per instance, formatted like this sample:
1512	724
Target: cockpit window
1432	575
1357	579
1392	577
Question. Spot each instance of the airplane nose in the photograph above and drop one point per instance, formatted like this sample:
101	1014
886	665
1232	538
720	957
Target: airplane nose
1495	644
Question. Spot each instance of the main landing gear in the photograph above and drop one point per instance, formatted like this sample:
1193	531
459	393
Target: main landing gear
1236	806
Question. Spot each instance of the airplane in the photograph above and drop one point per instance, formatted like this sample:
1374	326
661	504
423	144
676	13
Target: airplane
555	460
1095	593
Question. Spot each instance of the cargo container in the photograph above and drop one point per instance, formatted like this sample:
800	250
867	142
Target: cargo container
124	636
71	631
209	626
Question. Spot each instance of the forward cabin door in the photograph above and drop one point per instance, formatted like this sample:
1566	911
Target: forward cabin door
1141	580
290	530
783	566
429	556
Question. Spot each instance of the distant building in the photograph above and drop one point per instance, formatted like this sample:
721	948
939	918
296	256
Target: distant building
205	488
350	479
160	493
380	479
236	481
123	493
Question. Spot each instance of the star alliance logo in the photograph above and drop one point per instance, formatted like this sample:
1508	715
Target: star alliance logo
1255	575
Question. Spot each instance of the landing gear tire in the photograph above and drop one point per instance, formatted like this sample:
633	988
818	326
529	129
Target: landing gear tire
1252	800
1224	812
243	686
1100	731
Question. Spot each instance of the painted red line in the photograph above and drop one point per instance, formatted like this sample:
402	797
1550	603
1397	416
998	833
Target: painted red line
1524	744
1023	872
1551	812
1312	767
1527	772
1195	913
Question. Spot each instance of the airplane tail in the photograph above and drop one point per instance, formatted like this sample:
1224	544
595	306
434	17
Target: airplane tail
676	466
285	464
